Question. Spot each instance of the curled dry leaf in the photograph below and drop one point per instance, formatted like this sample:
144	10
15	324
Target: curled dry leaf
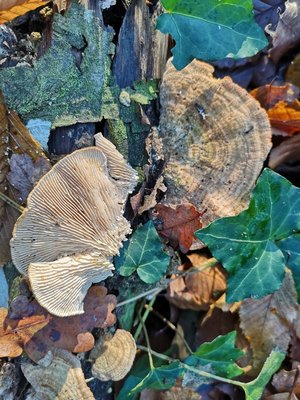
69	333
282	107
216	138
287	151
113	356
15	334
178	224
284	381
285	117
25	173
10	9
73	226
287	33
270	95
196	290
267	322
63	379
14	139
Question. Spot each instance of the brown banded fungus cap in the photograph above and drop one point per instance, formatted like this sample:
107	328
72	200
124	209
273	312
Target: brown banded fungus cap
73	225
63	379
216	138
113	356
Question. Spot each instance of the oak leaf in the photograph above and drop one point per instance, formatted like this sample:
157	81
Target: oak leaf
15	334
72	333
178	224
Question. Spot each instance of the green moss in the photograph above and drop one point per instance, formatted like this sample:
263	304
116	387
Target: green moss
65	86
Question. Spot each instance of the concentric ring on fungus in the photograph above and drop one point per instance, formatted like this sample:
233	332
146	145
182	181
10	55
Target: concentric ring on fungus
216	138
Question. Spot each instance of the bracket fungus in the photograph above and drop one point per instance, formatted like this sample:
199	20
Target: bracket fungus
113	356
216	138
63	379
73	225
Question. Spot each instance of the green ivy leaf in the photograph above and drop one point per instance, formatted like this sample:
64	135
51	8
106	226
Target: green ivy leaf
255	388
211	30
145	255
160	378
291	248
248	244
220	355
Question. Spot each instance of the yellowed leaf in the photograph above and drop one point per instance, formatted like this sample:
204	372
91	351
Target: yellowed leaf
10	9
267	322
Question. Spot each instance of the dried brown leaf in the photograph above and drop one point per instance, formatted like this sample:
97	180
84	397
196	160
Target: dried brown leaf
25	173
73	333
178	224
287	33
10	9
14	139
287	381
266	322
15	334
285	117
197	290
288	150
270	95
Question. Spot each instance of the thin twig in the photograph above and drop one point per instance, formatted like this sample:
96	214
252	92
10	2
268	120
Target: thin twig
171	326
11	202
154	291
143	319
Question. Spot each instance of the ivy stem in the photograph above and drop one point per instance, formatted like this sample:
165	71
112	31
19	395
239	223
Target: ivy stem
11	202
148	345
170	325
154	291
143	319
192	369
212	262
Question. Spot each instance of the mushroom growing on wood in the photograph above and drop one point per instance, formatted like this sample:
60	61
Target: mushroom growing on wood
113	356
73	225
63	379
216	138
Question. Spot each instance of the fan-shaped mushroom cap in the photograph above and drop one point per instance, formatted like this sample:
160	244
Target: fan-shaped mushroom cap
216	138
63	379
72	226
113	356
124	175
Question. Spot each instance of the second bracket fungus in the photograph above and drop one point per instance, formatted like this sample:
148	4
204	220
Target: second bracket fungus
73	225
216	138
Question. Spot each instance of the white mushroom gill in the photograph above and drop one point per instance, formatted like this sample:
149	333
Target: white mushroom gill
73	225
